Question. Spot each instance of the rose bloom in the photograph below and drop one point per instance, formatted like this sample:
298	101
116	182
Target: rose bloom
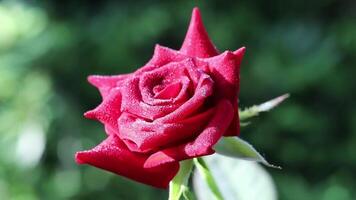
175	107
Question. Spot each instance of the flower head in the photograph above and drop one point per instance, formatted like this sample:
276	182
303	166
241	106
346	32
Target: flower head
175	107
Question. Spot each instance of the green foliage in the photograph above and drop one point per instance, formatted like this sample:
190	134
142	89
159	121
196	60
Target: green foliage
208	178
179	185
235	147
237	179
47	48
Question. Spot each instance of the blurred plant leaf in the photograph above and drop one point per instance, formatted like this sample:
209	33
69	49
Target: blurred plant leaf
237	148
244	124
237	180
208	178
264	107
178	185
187	194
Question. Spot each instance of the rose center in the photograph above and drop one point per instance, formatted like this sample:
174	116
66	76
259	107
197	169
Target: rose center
167	91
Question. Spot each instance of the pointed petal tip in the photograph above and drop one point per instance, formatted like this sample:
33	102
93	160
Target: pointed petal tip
197	42
160	51
196	14
196	9
91	114
240	52
157	46
80	157
92	79
95	80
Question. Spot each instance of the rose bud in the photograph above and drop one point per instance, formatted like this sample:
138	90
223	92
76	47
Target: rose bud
175	107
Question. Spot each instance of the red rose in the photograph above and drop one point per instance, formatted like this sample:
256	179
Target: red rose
176	107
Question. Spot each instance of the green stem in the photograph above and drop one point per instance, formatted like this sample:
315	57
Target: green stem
179	184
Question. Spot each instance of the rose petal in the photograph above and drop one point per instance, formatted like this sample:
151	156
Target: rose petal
225	70
239	53
133	103
138	97
143	136
168	92
202	92
108	111
200	146
112	155
164	77
234	129
161	56
197	42
106	83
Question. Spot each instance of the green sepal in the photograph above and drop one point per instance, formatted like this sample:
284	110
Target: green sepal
237	148
264	107
179	184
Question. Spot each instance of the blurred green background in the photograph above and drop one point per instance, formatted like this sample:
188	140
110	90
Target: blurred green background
47	49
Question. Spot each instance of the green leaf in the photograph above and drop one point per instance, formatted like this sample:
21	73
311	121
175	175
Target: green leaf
179	183
187	194
237	179
264	107
237	148
208	178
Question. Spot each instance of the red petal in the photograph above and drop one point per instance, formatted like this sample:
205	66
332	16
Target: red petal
142	136
132	102
197	42
161	56
162	79
234	129
170	91
225	70
112	155
136	93
106	83
108	111
200	146
239	54
202	92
